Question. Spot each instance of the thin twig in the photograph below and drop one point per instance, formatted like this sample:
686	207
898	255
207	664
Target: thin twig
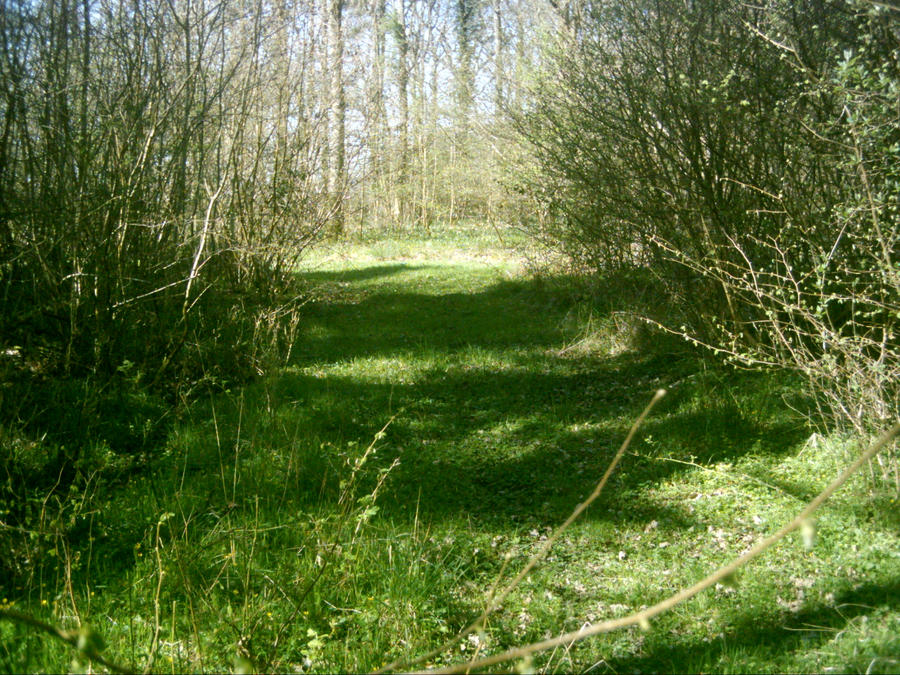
538	556
73	638
642	618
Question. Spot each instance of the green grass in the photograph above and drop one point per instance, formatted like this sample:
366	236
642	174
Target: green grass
278	522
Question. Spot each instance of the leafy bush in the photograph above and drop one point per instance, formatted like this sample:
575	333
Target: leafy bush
749	157
148	224
150	219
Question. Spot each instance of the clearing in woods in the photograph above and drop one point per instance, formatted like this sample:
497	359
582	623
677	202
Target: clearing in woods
508	396
273	528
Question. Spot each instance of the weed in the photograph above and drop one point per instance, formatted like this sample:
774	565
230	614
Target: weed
267	531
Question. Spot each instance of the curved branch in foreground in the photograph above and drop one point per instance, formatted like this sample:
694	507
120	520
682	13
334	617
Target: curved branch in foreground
495	601
82	639
643	617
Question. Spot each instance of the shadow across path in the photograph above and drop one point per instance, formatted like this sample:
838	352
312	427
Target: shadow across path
778	634
491	417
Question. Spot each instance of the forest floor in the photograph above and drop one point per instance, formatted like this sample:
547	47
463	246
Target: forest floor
443	410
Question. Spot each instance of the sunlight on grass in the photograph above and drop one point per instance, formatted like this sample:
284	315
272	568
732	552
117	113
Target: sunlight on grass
442	411
504	248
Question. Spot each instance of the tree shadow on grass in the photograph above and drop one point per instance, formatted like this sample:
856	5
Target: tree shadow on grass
770	635
384	323
361	274
494	423
521	433
521	430
519	444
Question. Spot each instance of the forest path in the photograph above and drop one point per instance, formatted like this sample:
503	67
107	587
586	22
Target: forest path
497	409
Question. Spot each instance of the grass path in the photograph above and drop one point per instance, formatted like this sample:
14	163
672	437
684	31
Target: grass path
493	415
503	422
271	526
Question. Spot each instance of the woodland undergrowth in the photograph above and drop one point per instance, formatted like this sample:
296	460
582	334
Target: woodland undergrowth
418	488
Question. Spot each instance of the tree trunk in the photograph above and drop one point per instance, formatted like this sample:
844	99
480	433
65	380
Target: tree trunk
336	114
499	74
403	87
377	123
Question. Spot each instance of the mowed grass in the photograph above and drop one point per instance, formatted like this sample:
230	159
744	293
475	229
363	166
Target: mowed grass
442	411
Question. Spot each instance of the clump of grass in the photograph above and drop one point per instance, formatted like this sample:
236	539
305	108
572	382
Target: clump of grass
269	533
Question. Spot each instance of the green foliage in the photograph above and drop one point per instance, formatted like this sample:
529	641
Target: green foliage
749	158
137	226
146	242
267	531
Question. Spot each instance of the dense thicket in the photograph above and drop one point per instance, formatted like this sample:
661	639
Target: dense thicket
158	177
161	165
749	156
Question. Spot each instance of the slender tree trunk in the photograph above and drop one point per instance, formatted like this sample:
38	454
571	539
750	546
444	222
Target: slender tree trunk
377	123
499	74
282	93
521	63
465	73
403	87
401	41
336	113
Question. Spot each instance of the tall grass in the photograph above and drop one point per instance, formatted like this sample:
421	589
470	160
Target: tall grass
363	506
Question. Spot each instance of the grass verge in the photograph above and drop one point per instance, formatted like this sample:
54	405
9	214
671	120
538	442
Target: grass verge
443	411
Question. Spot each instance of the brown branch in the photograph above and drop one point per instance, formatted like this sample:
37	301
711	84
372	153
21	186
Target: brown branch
643	617
83	639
